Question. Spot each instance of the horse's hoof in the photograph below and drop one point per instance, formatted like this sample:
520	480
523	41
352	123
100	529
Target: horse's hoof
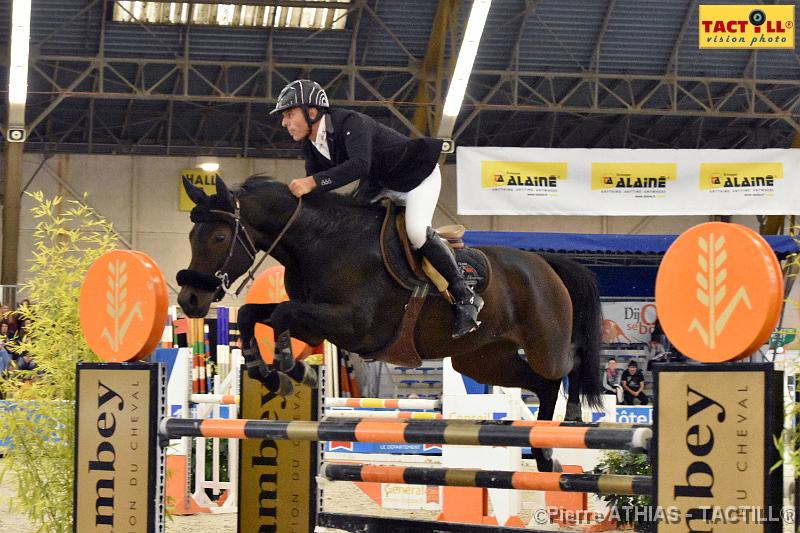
309	376
573	413
278	383
258	370
302	372
285	385
284	358
557	466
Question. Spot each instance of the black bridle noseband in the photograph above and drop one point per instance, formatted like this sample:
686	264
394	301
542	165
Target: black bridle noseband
220	281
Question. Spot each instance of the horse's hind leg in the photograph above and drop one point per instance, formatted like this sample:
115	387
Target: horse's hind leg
501	365
573	412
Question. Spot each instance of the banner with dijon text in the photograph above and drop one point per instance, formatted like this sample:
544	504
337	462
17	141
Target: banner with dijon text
617	182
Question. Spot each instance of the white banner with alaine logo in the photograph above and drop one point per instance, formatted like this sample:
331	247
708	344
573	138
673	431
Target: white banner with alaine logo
544	181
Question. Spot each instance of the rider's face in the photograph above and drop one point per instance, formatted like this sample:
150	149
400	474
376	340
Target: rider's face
295	123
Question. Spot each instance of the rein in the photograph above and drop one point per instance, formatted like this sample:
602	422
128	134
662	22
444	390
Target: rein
241	235
255	268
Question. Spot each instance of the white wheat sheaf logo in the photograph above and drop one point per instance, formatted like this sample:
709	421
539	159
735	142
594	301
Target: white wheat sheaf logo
711	289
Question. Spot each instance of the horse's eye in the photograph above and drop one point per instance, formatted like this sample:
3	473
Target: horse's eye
219	238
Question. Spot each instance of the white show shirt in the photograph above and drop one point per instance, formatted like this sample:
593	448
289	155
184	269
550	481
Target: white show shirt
321	141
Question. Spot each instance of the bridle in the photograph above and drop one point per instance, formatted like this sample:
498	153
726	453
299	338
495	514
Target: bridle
220	280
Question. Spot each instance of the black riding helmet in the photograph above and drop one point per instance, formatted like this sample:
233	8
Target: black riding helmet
303	94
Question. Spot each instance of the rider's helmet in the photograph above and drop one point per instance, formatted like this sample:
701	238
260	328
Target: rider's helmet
303	94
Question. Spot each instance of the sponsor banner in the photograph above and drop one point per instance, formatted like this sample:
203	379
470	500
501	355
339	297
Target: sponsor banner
714	445
628	322
746	26
635	415
276	477
410	497
376	447
620	182
118	463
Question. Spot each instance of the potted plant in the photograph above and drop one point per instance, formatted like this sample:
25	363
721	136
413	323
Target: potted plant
628	510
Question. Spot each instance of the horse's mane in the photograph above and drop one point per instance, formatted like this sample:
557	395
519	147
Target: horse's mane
329	211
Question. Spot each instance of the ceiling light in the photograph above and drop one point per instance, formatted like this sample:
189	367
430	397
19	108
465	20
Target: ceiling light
18	68
208	163
466	58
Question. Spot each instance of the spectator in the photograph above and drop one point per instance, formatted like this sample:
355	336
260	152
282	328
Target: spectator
6	363
25	362
9	318
22	330
659	336
611	380
5	358
633	385
655	353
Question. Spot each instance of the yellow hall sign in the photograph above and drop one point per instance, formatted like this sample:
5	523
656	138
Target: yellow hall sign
200	178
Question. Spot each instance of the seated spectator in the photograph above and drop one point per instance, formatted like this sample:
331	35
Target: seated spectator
6	365
659	336
611	380
25	362
655	353
633	385
9	318
22	330
5	358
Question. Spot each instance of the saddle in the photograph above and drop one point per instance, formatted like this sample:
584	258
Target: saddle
413	272
409	269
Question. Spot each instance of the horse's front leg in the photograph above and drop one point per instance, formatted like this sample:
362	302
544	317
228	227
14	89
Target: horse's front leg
250	315
307	321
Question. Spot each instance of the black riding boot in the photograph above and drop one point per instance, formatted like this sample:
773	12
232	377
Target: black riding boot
467	303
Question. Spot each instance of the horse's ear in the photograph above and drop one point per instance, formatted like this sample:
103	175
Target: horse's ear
196	194
223	194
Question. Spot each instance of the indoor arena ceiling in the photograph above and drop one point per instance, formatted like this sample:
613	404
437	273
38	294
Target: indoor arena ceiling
560	73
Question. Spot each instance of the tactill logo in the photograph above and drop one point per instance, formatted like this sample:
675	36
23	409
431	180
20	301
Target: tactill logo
746	26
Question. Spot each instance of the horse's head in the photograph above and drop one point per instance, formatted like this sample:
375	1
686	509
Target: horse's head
221	249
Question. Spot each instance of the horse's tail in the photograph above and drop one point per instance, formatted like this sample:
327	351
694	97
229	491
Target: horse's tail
587	322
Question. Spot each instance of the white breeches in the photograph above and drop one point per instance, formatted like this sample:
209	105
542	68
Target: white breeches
420	204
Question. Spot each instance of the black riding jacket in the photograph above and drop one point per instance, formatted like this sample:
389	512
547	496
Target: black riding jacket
363	149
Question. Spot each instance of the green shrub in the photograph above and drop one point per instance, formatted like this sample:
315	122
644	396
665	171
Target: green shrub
68	237
628	508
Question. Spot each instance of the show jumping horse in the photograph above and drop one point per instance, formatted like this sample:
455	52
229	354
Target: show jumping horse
541	320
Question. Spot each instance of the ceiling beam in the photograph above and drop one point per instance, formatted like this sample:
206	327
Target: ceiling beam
431	71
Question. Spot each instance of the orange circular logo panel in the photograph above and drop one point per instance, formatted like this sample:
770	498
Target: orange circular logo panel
774	314
162	304
718	292
123	306
268	288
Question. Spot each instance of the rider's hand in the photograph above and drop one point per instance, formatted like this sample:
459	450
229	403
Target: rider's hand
301	186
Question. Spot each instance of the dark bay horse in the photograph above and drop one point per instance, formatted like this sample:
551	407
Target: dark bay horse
339	290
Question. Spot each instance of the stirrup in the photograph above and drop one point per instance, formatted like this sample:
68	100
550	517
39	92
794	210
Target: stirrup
466	319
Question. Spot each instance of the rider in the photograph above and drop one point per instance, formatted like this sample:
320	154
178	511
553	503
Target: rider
341	146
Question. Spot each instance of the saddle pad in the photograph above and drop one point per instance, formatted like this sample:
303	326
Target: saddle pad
398	256
475	266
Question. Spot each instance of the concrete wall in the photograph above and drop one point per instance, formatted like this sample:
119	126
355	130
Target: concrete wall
139	195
